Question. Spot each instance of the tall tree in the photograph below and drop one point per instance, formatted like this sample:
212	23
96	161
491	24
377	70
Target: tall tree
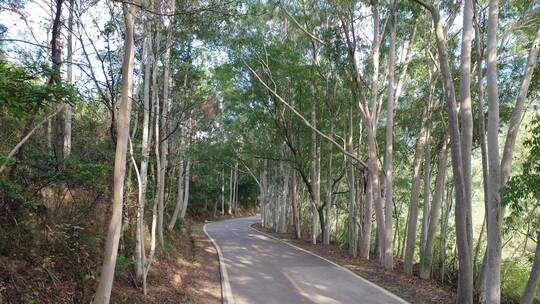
103	292
462	215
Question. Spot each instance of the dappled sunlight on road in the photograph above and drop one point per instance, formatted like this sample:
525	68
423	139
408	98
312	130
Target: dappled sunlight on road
264	270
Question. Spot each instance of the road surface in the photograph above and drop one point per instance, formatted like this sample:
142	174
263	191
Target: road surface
260	269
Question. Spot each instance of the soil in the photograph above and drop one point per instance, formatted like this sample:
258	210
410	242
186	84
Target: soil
410	288
187	271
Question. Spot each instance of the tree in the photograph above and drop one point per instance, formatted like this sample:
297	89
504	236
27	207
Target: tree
462	216
103	292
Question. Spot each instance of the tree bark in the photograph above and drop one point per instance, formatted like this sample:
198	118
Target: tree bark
465	280
481	282
444	226
103	291
314	178
494	211
329	196
56	78
165	122
365	242
530	290
262	194
353	203
388	156
187	178
517	114
145	147
179	194
427	188
295	209
223	193
412	217
427	255
68	114
230	191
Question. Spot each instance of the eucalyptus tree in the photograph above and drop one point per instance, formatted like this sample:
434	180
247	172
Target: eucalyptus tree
103	292
499	169
68	111
164	119
463	210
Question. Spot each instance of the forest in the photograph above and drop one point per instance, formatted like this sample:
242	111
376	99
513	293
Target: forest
400	133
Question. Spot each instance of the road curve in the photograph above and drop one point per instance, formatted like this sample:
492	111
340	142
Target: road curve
260	269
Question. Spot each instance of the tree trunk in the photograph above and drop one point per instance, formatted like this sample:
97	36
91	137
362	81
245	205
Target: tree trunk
145	147
530	290
465	111
281	222
283	203
517	114
165	122
295	209
462	216
179	195
444	227
412	217
314	177
264	194
388	156
223	193
157	116
353	203
506	163
235	182
427	255
235	188
68	114
56	78
329	196
230	191
103	292
494	211
480	284
187	178
427	188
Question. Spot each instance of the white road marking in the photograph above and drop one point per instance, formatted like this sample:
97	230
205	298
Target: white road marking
226	293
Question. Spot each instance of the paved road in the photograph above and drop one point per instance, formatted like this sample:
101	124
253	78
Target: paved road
264	270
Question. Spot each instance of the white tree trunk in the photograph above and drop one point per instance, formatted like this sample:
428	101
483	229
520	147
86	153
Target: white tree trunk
68	114
165	122
494	211
352	228
388	156
435	210
530	290
314	178
179	196
145	147
223	192
365	241
329	196
412	218
235	188
230	191
186	189
465	281
103	292
427	192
